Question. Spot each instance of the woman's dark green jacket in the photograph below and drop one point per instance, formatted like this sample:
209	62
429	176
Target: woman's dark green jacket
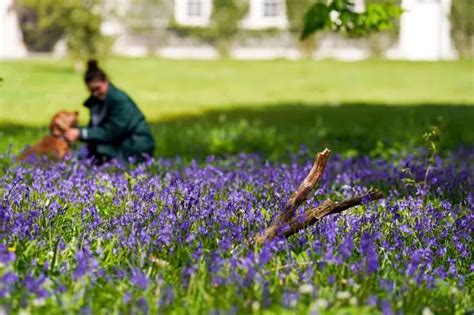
117	128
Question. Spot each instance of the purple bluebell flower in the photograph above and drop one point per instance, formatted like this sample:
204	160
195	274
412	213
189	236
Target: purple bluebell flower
85	263
169	218
386	308
139	279
6	256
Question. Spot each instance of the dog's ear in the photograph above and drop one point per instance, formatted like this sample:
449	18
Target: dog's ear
58	125
76	117
54	128
73	119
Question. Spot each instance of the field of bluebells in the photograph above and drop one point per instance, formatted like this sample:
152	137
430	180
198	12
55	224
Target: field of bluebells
168	236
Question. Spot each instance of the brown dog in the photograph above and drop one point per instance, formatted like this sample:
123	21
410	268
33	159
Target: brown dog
54	145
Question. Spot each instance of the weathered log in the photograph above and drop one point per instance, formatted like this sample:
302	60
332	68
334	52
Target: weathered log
287	225
356	201
311	216
303	190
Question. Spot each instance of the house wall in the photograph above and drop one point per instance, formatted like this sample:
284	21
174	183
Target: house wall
425	31
11	38
424	35
202	10
256	19
144	30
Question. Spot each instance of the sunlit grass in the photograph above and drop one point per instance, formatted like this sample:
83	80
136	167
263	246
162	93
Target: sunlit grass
34	89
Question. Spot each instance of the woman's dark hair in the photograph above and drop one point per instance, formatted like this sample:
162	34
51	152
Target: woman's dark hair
93	72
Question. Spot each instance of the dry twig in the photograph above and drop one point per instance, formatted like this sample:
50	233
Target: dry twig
303	190
287	225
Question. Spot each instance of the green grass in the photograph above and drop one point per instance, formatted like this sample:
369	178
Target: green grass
214	107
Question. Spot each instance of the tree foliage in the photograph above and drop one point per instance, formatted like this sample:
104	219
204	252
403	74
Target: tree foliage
224	27
295	11
339	16
225	19
36	38
226	16
462	22
78	21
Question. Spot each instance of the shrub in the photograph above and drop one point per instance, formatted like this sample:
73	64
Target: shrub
78	21
463	26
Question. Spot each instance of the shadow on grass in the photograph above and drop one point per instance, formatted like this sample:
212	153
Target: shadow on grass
276	130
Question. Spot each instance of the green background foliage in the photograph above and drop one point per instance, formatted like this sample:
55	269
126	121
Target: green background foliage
462	19
225	18
377	17
37	37
224	26
295	11
79	21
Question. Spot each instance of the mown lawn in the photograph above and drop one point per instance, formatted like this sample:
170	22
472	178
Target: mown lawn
199	108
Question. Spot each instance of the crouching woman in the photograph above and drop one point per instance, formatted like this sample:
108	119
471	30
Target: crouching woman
117	128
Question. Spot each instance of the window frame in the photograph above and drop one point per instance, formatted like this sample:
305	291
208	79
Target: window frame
184	14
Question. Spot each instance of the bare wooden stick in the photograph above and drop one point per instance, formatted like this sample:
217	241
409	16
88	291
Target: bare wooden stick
328	207
310	217
303	190
275	229
356	201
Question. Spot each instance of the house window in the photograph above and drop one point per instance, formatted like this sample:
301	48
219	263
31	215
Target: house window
194	8
193	12
266	14
271	8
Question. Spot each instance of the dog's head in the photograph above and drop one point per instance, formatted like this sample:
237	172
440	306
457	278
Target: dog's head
62	122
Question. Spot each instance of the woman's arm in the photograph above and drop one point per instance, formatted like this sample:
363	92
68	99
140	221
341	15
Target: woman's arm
119	123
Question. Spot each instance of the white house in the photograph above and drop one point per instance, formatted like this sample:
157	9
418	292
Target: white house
424	31
262	14
266	14
11	38
193	12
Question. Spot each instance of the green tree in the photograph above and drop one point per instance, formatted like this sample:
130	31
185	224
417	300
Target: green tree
296	10
462	21
78	21
224	27
225	19
36	38
339	16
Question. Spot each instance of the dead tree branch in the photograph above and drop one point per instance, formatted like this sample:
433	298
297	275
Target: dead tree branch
287	225
312	216
303	190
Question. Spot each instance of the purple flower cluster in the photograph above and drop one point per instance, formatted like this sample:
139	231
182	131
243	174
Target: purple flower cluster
166	235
